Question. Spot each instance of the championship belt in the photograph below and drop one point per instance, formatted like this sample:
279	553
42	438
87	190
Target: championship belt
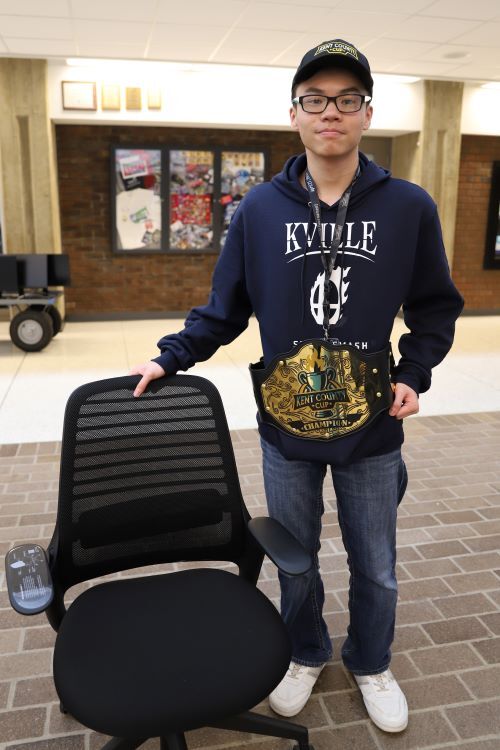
320	391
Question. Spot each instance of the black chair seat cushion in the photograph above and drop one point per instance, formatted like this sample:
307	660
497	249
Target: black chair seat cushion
126	656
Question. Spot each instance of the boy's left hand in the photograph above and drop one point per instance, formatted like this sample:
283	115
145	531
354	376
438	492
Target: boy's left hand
405	402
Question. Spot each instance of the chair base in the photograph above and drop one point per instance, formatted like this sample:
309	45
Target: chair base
173	742
245	722
267	725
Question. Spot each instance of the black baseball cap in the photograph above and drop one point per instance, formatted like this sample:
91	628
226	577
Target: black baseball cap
336	53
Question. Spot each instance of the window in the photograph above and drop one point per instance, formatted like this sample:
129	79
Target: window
178	200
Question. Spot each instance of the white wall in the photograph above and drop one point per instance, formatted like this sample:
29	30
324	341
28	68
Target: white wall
481	111
235	96
239	96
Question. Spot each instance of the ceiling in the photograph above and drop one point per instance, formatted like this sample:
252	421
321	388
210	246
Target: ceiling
448	39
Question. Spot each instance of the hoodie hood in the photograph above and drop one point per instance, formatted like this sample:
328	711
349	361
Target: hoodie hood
288	182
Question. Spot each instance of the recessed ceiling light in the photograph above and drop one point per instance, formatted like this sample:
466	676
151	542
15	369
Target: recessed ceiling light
457	55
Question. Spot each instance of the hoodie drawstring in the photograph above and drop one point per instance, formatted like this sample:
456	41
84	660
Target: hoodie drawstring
303	270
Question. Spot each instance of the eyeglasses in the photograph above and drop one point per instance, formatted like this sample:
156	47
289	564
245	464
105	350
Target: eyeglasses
314	104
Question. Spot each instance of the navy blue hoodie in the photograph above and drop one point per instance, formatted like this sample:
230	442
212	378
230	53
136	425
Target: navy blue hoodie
391	256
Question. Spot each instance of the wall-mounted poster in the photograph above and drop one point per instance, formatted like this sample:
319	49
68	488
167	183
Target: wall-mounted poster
191	189
240	171
79	95
138	199
492	249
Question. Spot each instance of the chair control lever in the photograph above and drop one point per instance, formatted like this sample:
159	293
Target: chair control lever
29	582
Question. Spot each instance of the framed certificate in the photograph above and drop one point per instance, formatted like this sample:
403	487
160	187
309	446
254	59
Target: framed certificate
79	95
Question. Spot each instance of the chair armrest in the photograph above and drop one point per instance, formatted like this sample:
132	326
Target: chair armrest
29	582
286	552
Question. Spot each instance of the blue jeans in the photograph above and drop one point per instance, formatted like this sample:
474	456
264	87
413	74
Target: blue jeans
368	493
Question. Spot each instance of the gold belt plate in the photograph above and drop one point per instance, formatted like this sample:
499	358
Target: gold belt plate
318	392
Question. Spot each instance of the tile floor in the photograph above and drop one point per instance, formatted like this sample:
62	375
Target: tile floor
447	646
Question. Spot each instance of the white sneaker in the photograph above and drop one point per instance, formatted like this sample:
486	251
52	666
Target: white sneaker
384	700
294	690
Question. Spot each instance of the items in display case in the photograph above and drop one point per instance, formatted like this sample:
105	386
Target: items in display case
197	199
191	189
240	171
138	202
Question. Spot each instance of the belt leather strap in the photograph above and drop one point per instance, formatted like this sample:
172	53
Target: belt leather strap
320	391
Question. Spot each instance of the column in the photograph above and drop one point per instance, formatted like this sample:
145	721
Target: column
432	158
27	151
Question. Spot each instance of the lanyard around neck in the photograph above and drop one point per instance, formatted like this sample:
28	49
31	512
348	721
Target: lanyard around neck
329	253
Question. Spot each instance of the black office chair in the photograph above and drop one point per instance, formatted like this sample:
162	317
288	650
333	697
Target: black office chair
146	481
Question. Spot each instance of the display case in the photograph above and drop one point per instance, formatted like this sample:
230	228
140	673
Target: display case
492	248
172	200
137	199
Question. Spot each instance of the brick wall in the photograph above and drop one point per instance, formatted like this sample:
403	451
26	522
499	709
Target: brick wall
480	287
104	282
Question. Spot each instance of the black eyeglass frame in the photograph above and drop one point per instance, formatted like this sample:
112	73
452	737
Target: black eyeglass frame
363	99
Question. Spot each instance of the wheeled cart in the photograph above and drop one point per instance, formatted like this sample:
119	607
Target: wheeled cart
36	320
24	282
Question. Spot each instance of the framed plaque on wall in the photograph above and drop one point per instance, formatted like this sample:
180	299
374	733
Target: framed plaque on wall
133	97
110	96
79	95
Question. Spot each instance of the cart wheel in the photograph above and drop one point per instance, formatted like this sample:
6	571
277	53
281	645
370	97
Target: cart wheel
54	313
31	330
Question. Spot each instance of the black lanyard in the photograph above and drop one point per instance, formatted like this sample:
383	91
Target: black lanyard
329	254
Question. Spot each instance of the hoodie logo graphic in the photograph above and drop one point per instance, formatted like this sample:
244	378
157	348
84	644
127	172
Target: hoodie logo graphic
317	295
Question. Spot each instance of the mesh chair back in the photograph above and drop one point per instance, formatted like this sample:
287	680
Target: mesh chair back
145	480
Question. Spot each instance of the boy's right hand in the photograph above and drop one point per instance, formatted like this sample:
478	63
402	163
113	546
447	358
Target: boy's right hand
149	371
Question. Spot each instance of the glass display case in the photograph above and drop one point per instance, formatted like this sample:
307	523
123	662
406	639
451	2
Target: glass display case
192	193
492	248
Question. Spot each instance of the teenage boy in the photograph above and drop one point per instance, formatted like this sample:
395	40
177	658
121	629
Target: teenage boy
325	255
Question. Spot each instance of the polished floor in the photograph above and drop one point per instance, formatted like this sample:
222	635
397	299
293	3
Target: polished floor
34	386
